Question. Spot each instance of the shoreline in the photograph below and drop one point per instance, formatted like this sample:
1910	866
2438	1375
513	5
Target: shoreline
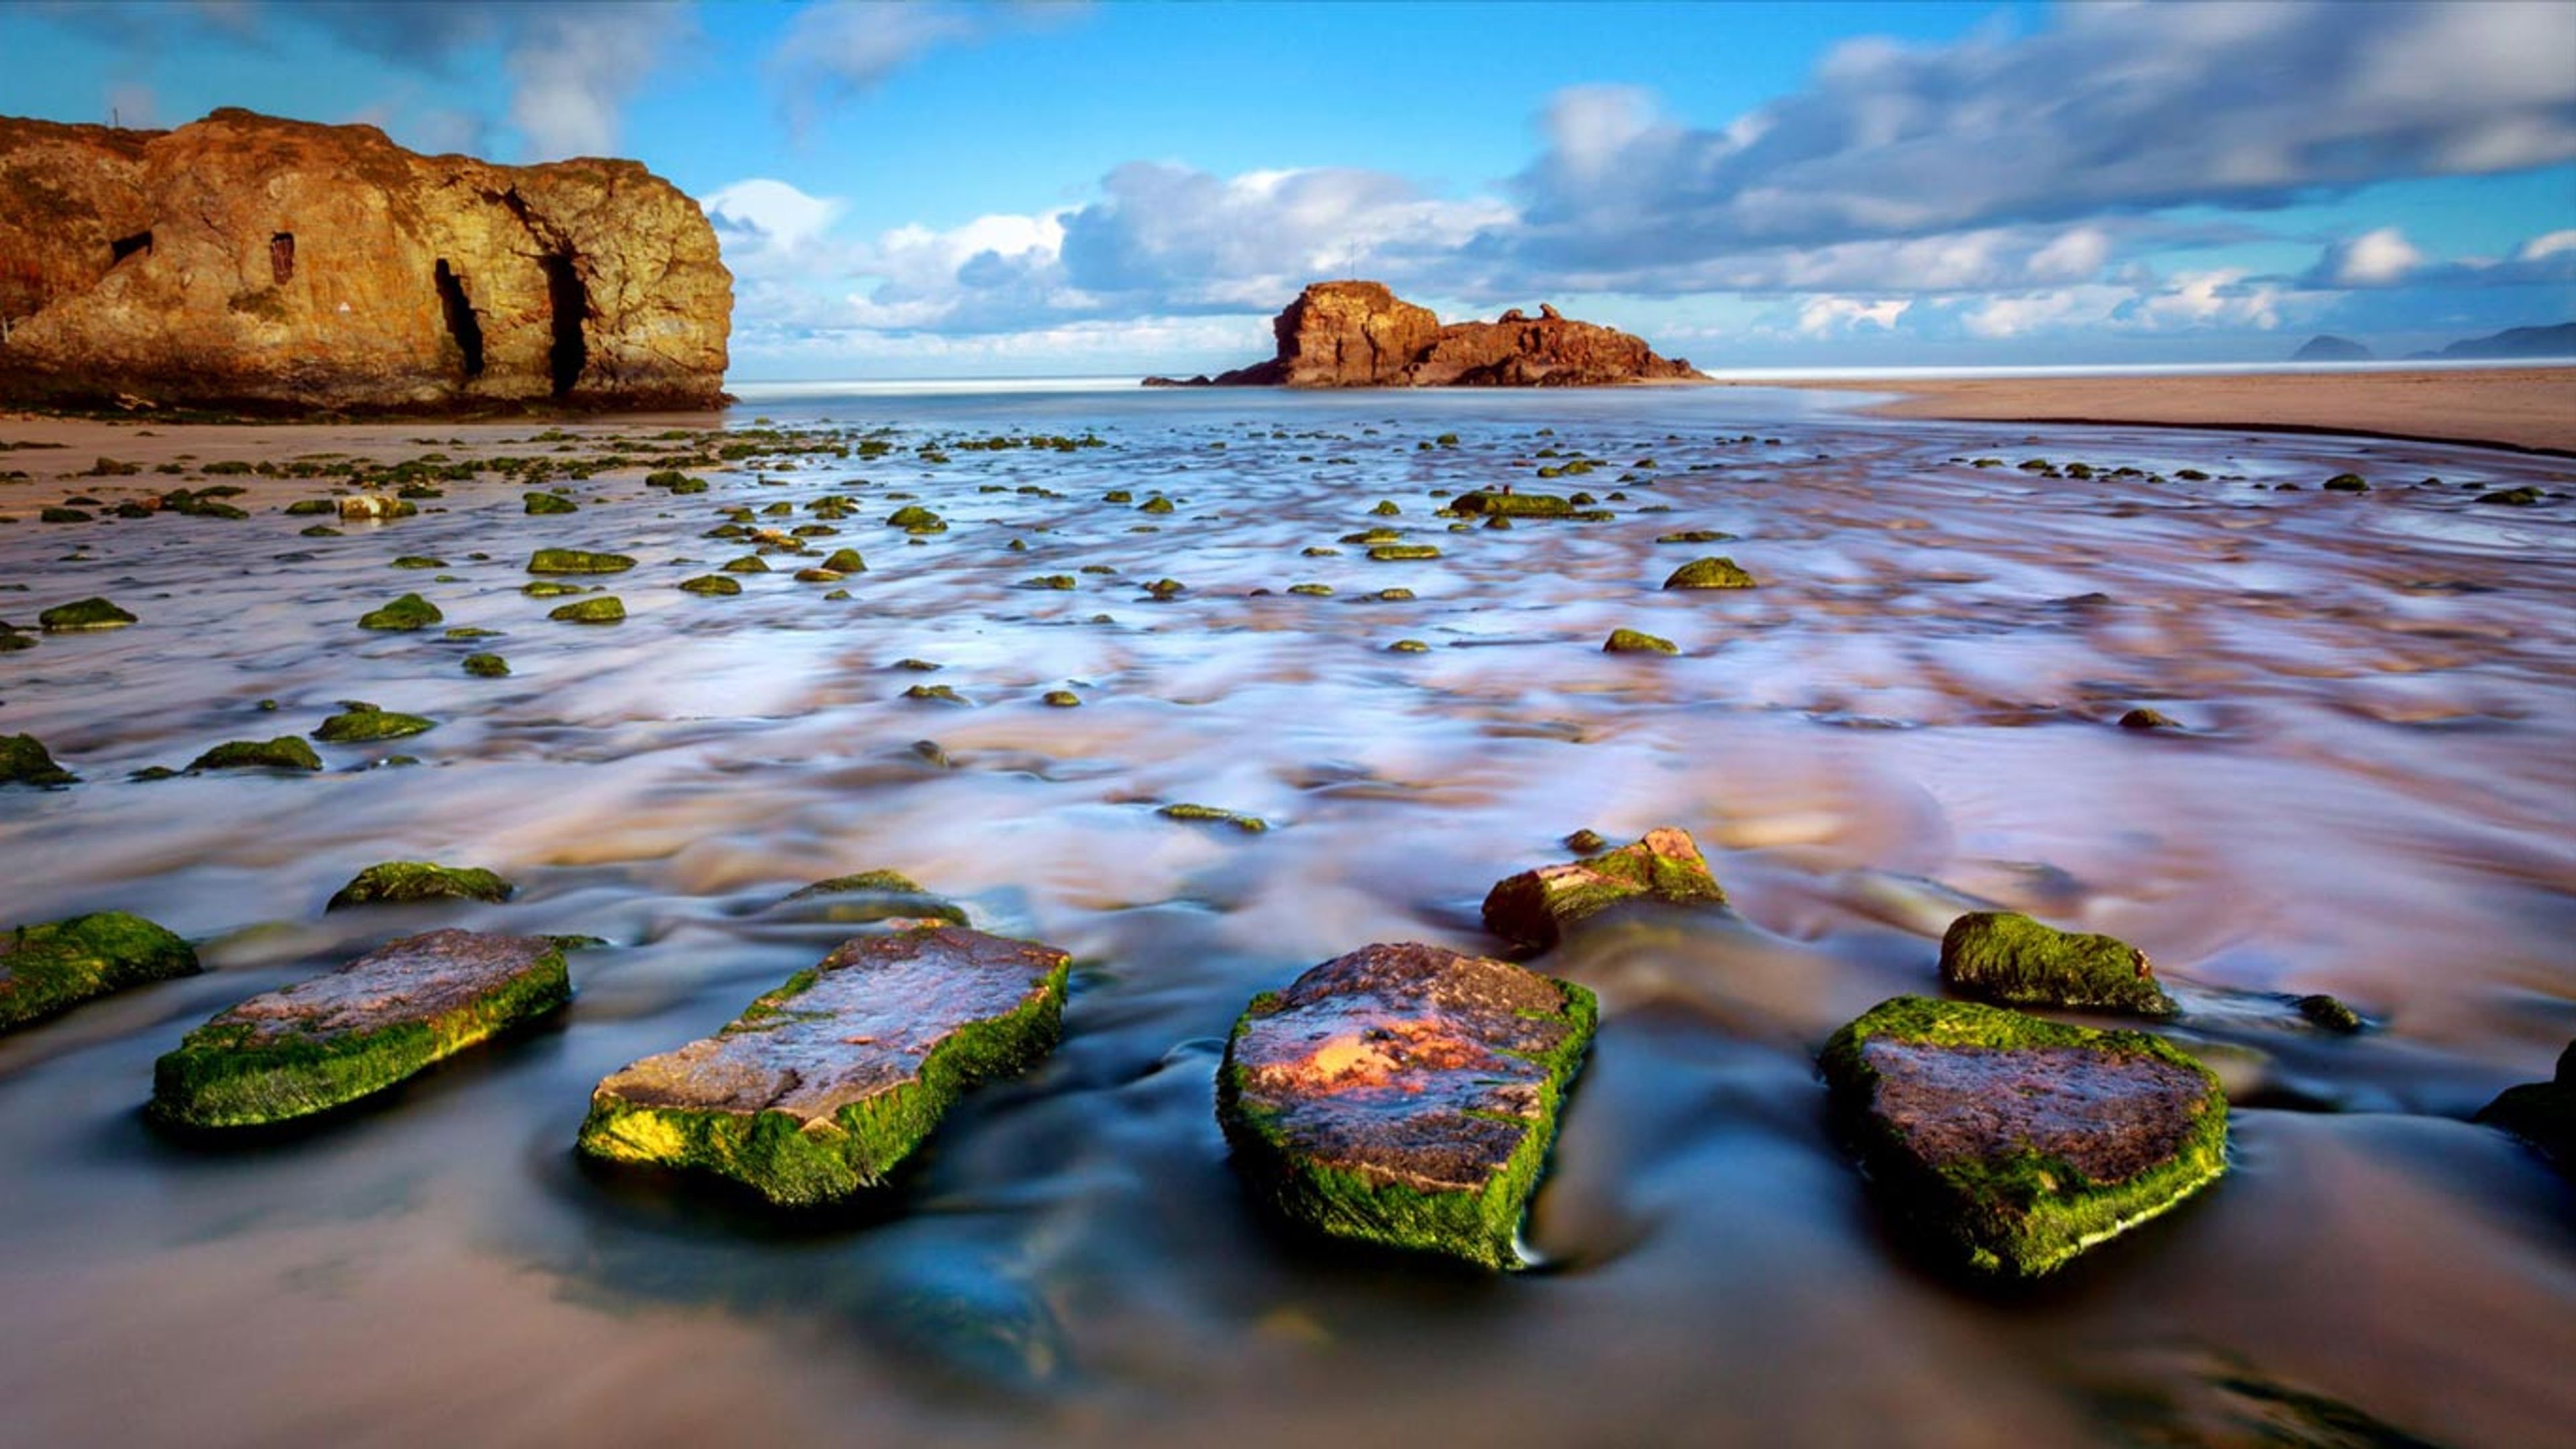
2513	409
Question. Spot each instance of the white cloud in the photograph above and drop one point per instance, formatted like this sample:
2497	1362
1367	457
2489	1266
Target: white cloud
572	69
2547	245
2372	259
1828	316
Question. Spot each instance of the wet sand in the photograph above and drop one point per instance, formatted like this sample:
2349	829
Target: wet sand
2515	407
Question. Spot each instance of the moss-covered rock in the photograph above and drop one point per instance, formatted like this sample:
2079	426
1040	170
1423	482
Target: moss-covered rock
2326	1013
1709	573
361	723
1512	505
1633	641
712	584
2347	483
1155	504
409	612
2143	718
550	589
2014	1143
1401	552
846	561
750	563
2540	1113
1406	1096
286	752
486	666
913	518
83	614
55	966
2007	957
2523	497
1408	646
541	503
577	561
1061	699
1249	824
605	609
1696	535
942	693
419	561
871	897
24	760
822	1086
398	882
329	1041
1535	907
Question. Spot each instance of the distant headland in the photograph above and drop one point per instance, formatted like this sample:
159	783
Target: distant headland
253	263
1360	334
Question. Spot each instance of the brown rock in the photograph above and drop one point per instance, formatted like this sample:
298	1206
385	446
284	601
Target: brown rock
1359	334
247	261
1535	907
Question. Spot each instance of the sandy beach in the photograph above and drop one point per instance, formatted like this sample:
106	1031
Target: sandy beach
2530	408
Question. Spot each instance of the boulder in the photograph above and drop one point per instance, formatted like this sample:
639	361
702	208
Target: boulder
1360	334
341	1036
2542	1113
2014	1143
1405	1095
822	1086
1512	505
83	614
24	760
1709	573
399	882
359	724
55	966
248	261
2007	957
286	752
1534	908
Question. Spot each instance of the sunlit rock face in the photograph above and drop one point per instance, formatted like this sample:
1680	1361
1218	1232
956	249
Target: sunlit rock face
1360	334
247	261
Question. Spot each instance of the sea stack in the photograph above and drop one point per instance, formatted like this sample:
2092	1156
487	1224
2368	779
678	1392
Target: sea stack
1360	334
243	261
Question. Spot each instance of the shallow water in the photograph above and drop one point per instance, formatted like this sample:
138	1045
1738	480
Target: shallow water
1913	714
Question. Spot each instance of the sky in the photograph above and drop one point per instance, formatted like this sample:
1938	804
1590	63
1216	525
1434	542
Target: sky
1044	187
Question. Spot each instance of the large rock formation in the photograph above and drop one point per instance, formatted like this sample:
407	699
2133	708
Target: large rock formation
1359	334
246	261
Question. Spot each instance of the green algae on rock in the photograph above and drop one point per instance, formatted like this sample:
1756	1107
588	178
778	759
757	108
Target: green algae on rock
1512	505
577	561
56	965
1709	573
913	518
1401	552
286	752
550	503
1535	907
822	1086
83	614
2540	1113
2326	1013
2015	1143
606	609
486	666
409	612
1405	1095
398	882
874	896
1249	824
1061	699
1632	641
2006	957
353	1032
2143	718
846	561
24	760
361	723
711	584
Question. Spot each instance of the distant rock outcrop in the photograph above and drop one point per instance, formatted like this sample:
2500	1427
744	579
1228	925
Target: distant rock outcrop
1359	334
247	261
2326	347
2513	342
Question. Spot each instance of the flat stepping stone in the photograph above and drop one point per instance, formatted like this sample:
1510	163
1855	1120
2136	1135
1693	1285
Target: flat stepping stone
52	967
1512	505
1405	1095
2005	957
352	1032
1534	908
2017	1143
820	1087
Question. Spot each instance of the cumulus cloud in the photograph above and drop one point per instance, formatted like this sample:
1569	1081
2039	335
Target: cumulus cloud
573	67
2383	258
1828	316
2372	259
838	48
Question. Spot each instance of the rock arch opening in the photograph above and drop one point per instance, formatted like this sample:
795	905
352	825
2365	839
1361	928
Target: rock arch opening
462	325
568	307
126	246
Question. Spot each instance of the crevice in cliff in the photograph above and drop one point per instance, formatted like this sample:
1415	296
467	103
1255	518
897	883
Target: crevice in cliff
281	257
462	325
568	304
126	246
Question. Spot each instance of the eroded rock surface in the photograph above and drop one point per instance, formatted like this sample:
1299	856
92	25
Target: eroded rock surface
823	1085
1535	907
1405	1095
2019	1142
321	1043
1360	334
248	261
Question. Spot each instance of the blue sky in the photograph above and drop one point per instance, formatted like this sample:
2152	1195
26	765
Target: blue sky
936	189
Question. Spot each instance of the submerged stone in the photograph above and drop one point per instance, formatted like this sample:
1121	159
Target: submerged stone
1696	535
873	896
2016	1143
398	882
846	561
2540	1113
1512	505
360	723
2328	1014
549	589
913	518
713	584
1249	824
1709	573
577	561
1405	1095
2523	497
286	752
1535	907
2007	957
1632	641
1401	552
822	1086
2143	718
2347	483
1408	646
1061	699
550	503
24	760
82	614
606	609
55	966
352	1032
486	666
411	611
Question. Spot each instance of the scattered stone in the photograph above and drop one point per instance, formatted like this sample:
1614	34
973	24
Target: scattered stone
1249	824
822	1086
2328	1014
2007	957
1048	581
876	896
1156	504
1061	699
846	561
1535	907
2540	1113
2148	719
57	965
1587	842
1631	641
361	723
2523	497
419	561
550	503
606	609
1512	505
286	752
577	561
1709	573
24	760
353	1032
550	589
711	584
1401	552
83	614
1408	646
1696	535
377	506
409	612
913	518
486	666
940	692
1405	1095
2346	483
400	882
2017	1143
750	563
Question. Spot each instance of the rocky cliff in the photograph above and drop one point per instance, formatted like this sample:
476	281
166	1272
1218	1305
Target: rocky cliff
247	261
1359	334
